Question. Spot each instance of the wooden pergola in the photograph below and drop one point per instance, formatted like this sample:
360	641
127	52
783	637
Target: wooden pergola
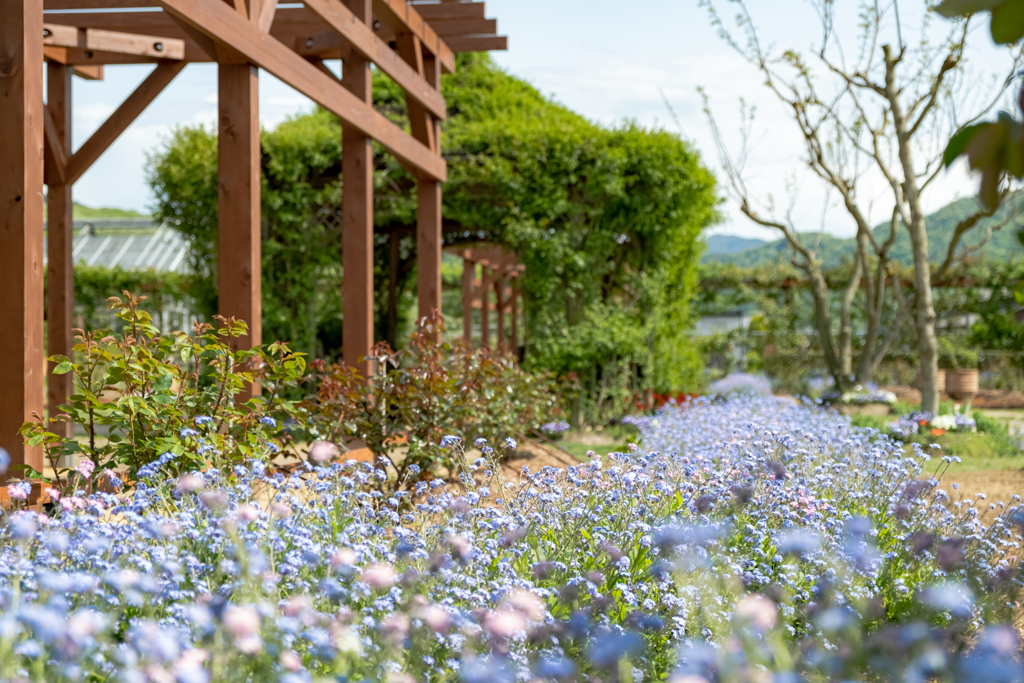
411	42
499	270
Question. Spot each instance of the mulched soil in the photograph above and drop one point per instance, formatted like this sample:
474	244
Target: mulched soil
986	398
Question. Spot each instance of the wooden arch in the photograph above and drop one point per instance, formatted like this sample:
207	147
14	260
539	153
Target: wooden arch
411	42
500	270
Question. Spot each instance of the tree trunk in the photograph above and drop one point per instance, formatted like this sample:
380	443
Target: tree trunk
924	309
845	326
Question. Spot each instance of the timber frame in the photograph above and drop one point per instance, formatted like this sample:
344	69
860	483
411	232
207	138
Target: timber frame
500	271
411	42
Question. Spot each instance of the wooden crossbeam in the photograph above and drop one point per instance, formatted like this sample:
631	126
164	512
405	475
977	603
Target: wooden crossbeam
459	27
223	24
122	117
98	40
403	18
89	73
362	40
477	43
450	10
56	159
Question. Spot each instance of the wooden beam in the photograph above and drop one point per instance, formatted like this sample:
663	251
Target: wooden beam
450	10
499	290
485	304
60	281
21	227
468	278
89	73
404	18
421	121
477	43
362	39
357	212
99	40
428	249
56	161
122	117
238	204
264	15
462	27
220	22
515	320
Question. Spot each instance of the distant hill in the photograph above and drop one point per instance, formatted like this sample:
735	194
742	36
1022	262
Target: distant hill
83	212
731	244
834	251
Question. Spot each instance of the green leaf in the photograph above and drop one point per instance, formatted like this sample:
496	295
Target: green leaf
958	143
1008	22
956	8
62	368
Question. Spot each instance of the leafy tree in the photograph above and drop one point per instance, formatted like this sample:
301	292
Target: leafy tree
606	221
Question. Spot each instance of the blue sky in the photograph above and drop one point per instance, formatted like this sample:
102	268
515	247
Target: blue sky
607	60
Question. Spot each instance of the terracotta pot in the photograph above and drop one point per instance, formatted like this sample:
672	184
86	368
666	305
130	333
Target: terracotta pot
940	380
961	384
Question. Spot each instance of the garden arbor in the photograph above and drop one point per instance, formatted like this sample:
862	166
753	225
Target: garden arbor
412	43
500	270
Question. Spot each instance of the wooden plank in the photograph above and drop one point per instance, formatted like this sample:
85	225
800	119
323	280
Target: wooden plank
468	276
499	290
265	13
421	121
362	39
90	73
485	304
461	27
21	226
450	10
56	161
477	43
99	40
60	285
402	17
515	320
222	23
238	204
122	117
428	249
357	213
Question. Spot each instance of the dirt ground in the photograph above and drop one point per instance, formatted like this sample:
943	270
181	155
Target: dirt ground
995	484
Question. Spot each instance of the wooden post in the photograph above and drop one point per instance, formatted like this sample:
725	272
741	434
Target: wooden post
485	300
515	320
357	212
21	225
468	277
238	202
60	290
499	290
428	248
394	242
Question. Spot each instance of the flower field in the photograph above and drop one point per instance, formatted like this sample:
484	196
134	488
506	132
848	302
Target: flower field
749	539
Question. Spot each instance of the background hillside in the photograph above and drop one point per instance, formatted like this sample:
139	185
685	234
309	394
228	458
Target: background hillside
834	251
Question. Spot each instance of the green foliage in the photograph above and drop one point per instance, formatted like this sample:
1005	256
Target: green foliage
956	352
140	395
94	285
421	395
606	221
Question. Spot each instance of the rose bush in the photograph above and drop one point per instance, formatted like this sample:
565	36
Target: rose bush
749	540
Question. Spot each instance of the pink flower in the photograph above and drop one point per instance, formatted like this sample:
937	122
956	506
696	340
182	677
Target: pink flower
280	511
435	617
248	513
323	451
526	603
190	482
343	557
379	576
291	661
17	492
757	610
504	624
85	468
242	622
54	494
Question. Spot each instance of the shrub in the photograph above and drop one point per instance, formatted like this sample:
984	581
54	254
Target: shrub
419	395
758	538
142	397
